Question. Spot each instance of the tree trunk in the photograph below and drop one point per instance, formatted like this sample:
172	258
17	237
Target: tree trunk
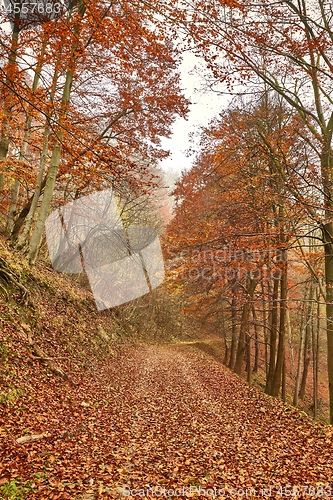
307	342
28	211
5	129
244	327
328	235
248	357
36	238
326	165
290	342
24	213
12	207
241	338
277	378
37	235
315	356
284	380
224	333
273	336
256	341
264	322
304	375
25	145
28	215
233	334
300	357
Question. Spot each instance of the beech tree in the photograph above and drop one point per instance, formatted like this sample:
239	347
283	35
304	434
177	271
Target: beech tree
105	91
288	46
238	211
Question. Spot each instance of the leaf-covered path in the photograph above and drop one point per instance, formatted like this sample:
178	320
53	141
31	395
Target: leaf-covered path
159	419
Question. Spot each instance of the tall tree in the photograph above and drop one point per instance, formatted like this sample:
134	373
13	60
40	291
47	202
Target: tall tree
106	91
288	46
232	224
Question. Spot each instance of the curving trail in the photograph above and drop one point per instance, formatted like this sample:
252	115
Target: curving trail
159	418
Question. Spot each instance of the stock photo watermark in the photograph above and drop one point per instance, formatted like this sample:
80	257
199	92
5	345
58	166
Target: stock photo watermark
122	263
282	491
229	264
34	12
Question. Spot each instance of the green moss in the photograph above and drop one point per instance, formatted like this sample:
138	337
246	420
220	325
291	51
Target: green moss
10	396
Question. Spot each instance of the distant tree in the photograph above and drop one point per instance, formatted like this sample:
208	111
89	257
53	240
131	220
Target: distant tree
237	213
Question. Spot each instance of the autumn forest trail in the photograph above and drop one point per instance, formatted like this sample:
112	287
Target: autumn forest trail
170	417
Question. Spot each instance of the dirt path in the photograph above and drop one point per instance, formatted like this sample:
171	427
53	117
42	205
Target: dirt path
162	419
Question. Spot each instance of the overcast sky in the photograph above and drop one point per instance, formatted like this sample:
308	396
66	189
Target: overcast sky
205	106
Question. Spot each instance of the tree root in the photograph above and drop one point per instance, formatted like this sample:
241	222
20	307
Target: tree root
8	276
48	361
4	291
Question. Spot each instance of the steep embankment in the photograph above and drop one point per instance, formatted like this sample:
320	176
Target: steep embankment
49	319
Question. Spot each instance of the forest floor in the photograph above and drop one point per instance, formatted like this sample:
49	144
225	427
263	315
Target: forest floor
130	419
160	421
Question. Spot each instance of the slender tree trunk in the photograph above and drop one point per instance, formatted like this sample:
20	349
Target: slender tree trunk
328	238
277	378
233	334
7	110
28	215
300	358
307	343
273	337
36	238
12	207
306	364
5	129
264	321
241	338
315	356
290	342
224	333
256	341
37	235
25	145
248	358
284	380
23	214
306	357
28	211
244	326
327	229
17	184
